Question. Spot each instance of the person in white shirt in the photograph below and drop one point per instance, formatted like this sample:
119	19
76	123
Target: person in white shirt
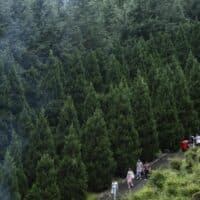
197	139
129	178
139	169
114	189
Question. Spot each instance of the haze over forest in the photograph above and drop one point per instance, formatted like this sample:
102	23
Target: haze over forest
88	87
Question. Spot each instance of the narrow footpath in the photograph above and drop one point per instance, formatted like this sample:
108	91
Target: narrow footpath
162	162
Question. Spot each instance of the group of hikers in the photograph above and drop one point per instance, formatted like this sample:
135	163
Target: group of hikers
142	171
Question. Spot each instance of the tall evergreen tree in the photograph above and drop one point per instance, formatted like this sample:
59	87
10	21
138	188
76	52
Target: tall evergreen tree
76	83
45	186
68	115
121	127
97	153
16	93
170	129
193	74
72	172
16	149
186	113
91	102
114	71
144	119
92	71
9	187
5	114
41	142
24	123
51	85
31	86
182	45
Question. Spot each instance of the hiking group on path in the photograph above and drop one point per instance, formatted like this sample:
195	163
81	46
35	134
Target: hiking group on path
142	171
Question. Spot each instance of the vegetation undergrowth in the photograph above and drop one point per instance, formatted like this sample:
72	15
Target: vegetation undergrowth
180	182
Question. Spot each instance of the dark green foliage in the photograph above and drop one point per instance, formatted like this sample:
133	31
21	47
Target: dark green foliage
67	116
51	85
91	102
9	187
16	149
186	113
45	186
121	127
72	172
93	74
63	61
144	119
175	164
157	180
40	142
193	74
5	113
169	126
114	71
16	92
97	154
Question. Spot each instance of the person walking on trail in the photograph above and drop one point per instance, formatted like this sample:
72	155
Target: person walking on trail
191	141
197	140
114	189
146	170
129	178
139	169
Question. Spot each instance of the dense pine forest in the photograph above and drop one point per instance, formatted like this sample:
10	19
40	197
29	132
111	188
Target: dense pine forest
89	86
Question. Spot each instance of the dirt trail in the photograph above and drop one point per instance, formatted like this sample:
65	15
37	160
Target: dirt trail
161	162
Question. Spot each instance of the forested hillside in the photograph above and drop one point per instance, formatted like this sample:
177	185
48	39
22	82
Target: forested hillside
89	86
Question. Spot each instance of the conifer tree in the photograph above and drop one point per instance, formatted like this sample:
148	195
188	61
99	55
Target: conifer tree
186	113
144	119
45	186
76	84
121	127
24	123
140	58
162	44
9	187
16	93
182	45
41	142
31	86
68	115
92	71
51	85
52	89
114	71
193	74
16	149
91	102
97	153
5	114
170	129
72	172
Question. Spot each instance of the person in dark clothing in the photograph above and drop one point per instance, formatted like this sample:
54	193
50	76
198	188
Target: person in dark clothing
146	170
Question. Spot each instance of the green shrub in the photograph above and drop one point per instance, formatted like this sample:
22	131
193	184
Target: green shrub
190	189
176	164
157	179
146	193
